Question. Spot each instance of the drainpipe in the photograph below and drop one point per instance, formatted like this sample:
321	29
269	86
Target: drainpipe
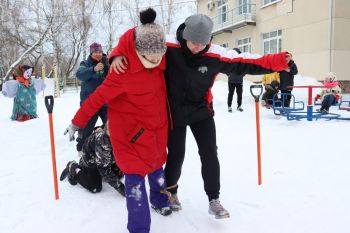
330	35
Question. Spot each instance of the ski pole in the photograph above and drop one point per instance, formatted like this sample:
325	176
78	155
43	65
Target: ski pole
49	106
256	98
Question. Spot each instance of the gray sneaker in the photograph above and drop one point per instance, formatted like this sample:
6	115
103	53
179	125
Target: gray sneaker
215	208
174	202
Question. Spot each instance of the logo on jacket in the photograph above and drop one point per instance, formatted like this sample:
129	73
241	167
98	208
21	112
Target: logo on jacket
203	69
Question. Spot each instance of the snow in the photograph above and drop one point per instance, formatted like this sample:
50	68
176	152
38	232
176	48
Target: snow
305	175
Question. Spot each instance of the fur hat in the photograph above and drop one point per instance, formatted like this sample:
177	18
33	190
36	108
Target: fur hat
198	29
149	36
94	47
330	77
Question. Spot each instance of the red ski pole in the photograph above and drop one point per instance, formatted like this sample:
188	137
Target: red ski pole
256	98
49	106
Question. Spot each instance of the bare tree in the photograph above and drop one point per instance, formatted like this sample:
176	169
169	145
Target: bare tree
108	9
132	8
29	50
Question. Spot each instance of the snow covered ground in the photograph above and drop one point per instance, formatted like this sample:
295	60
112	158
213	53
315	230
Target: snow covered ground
306	175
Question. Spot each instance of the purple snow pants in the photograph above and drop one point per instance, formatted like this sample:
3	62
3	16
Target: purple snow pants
139	217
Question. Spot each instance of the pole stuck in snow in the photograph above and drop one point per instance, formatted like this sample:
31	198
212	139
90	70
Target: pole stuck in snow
256	98
49	106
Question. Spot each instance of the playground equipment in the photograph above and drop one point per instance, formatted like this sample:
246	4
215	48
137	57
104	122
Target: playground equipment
296	111
344	105
71	83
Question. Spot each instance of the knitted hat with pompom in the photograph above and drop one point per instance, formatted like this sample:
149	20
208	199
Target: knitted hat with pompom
149	36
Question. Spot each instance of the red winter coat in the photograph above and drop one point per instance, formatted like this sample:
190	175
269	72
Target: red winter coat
137	114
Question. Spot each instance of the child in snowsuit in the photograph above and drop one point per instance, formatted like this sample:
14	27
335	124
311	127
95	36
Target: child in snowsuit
96	164
24	90
269	94
330	94
138	119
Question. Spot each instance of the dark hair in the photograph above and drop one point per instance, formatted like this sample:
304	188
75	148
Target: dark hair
275	84
237	50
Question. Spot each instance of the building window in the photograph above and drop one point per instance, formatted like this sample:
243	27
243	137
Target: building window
267	2
222	10
245	45
272	42
243	6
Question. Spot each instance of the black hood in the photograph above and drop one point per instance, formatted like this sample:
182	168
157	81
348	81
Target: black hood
182	41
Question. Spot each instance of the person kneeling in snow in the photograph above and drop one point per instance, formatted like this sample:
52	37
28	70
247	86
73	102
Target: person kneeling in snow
331	94
96	164
23	89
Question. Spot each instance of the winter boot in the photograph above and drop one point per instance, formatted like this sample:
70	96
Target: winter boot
174	202
239	108
70	172
229	109
165	211
215	208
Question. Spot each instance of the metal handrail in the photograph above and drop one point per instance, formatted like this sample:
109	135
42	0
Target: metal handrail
235	16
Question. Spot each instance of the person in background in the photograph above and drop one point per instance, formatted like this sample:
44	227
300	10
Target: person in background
23	89
138	119
92	72
330	95
96	164
286	82
235	82
270	94
268	78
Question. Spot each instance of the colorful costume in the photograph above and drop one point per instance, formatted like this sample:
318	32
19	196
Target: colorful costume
24	90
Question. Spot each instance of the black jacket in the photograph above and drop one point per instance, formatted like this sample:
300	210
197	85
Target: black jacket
97	153
189	77
235	78
287	78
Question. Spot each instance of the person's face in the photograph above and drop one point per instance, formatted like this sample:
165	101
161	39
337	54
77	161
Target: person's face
154	58
195	47
28	73
97	55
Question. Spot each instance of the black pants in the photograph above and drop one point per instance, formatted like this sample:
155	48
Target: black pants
89	128
286	98
204	133
231	90
90	179
328	101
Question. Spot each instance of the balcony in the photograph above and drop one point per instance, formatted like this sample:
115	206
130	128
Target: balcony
235	18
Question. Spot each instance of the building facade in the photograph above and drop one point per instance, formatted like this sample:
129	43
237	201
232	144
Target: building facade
316	32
